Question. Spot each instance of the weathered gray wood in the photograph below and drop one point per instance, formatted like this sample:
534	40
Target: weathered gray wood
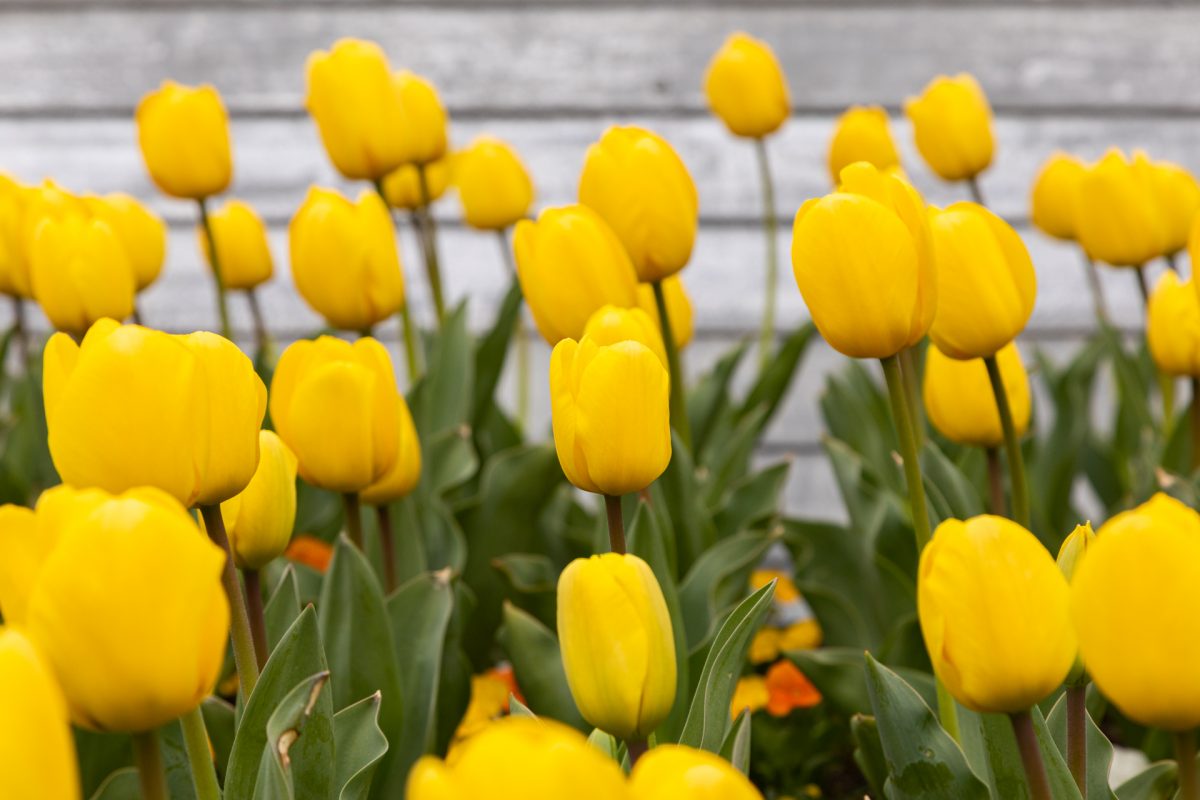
601	58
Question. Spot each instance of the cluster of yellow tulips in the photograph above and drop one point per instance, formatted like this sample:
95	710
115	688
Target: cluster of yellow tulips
164	572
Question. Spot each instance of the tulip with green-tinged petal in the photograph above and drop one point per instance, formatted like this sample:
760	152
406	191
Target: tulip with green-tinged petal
493	185
675	772
183	133
862	134
959	400
80	273
618	649
1074	548
611	325
952	123
746	88
142	233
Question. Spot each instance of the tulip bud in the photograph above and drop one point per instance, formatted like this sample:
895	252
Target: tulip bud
570	263
986	283
960	401
184	136
634	180
402	187
352	97
672	771
334	404
242	249
863	260
1052	204
1073	549
611	325
259	521
746	87
422	134
679	308
142	233
367	286
493	185
1117	216
994	610
80	273
1173	326
1178	197
862	134
618	649
610	415
136	407
952	122
533	759
1137	612
35	730
402	478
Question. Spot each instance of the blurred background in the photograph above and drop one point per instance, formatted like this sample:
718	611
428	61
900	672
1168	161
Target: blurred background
550	75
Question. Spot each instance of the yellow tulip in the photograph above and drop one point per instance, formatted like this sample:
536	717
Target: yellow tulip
1117	216
863	260
36	205
184	136
422	135
352	97
959	399
679	308
142	233
617	646
634	179
862	134
344	259
128	608
402	187
493	184
1194	248
995	613
405	473
1178	197
611	325
12	261
136	407
80	273
952	122
986	283
35	731
519	758
243	252
675	772
1173	326
1074	548
610	415
1136	609
334	404
570	264
1052	203
746	87
259	520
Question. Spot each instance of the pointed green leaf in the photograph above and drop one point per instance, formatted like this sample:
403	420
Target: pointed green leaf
287	727
492	350
219	719
709	397
1099	749
537	665
736	747
282	608
123	784
868	752
751	500
1157	782
360	745
839	675
717	579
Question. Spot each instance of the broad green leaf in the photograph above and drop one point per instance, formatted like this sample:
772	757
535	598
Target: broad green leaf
175	762
729	458
868	752
1001	760
751	500
839	674
287	727
449	460
282	608
123	784
360	745
717	579
1099	749
491	351
100	755
537	664
689	518
736	747
1157	782
773	382
454	686
219	719
532	581
442	399
951	494
709	397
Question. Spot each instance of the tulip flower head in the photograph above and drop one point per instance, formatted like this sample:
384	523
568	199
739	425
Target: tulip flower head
402	478
679	308
1117	215
959	398
1074	548
862	134
142	233
422	134
675	771
259	520
746	87
402	186
1052	204
12	260
80	273
493	184
952	122
1173	326
183	133
611	325
242	249
28	209
1178	197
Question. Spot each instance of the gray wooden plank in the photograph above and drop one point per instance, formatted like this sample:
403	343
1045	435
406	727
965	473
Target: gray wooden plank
745	5
596	58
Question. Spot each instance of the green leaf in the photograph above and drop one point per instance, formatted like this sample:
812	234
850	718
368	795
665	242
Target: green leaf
839	675
708	717
924	763
730	456
716	580
681	494
288	726
442	399
492	350
751	500
1157	782
736	747
773	382
518	709
219	721
454	687
282	608
100	755
175	762
123	784
532	582
1003	759
709	398
537	665
1099	749
449	460
360	745
951	493
868	752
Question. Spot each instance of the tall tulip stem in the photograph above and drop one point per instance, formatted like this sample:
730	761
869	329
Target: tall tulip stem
616	525
995	481
1031	756
151	774
912	392
770	223
976	192
433	270
387	542
1077	735
214	259
353	509
258	620
20	332
1185	759
239	619
522	341
679	417
1012	445
262	336
195	742
1143	286
1195	419
1093	279
406	326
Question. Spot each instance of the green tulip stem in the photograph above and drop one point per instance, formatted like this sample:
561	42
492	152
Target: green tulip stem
976	192
679	417
908	450
1185	760
616	525
912	392
148	757
353	509
1172	263
20	333
636	749
239	619
1143	286
215	261
387	542
1077	735
262	336
1093	279
410	345
1012	445
195	742
1031	756
772	274
1195	419
995	482
522	341
258	620
433	270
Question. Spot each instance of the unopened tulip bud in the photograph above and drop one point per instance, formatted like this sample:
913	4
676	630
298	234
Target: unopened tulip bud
142	233
960	401
493	184
746	87
862	134
402	478
1073	549
80	273
259	520
402	186
184	136
1173	326
675	772
1052	204
422	135
242	249
952	122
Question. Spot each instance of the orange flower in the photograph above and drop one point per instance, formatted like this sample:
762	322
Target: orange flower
505	673
789	689
310	551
